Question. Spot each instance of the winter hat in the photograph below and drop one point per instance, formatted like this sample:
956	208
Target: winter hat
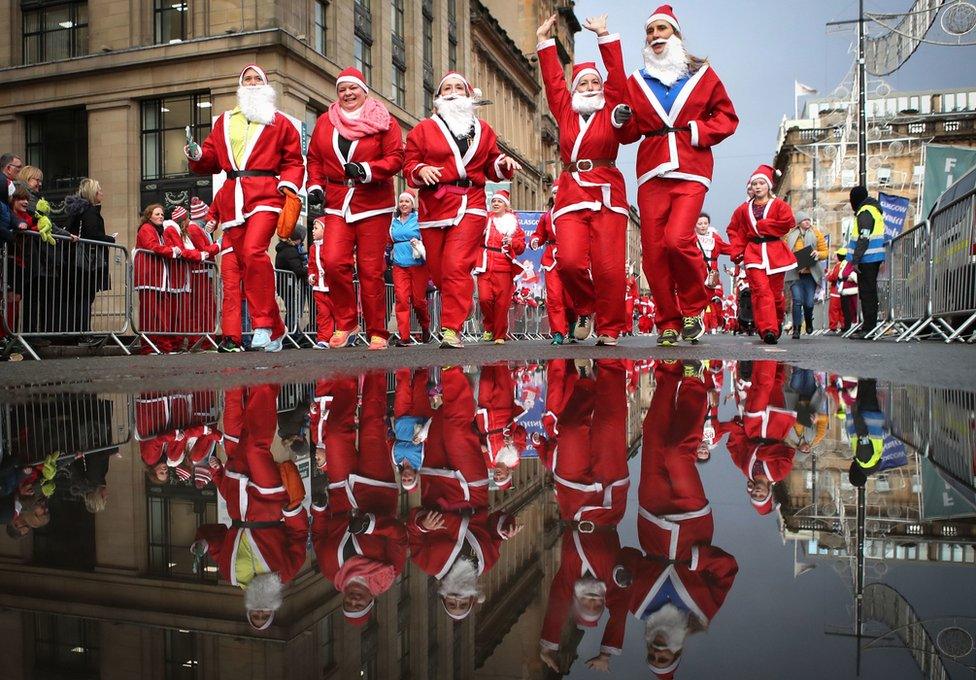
503	196
455	74
198	209
202	476
360	618
765	506
352	75
260	72
801	215
841	253
663	13
178	214
767	173
858	195
408	194
182	473
584	69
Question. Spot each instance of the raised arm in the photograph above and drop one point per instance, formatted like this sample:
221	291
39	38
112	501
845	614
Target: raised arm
553	78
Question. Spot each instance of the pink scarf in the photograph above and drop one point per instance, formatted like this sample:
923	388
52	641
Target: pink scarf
377	576
374	118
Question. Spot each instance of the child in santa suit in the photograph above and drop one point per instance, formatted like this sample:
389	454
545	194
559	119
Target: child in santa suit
503	437
842	278
449	157
324	320
409	266
504	240
756	234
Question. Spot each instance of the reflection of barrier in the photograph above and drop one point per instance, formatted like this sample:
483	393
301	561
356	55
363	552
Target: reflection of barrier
75	287
178	301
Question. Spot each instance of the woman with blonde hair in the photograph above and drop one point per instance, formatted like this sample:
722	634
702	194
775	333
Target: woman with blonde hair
91	270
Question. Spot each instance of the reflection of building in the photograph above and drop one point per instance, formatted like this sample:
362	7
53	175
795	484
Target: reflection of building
899	125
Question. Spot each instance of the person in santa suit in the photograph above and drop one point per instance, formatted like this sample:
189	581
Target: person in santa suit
198	314
633	294
452	535
413	409
359	543
355	151
504	240
589	469
449	157
503	437
680	580
261	153
678	104
590	213
559	306
756	233
645	314
264	547
711	246
756	438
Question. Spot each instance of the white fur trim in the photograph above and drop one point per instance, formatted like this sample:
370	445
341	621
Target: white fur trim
369	172
285	184
584	72
551	42
613	121
662	17
609	37
694	132
352	79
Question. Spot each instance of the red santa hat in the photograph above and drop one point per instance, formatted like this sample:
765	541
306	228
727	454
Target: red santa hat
503	196
666	673
664	13
765	506
178	214
260	71
408	195
198	209
585	68
455	74
766	173
352	75
360	618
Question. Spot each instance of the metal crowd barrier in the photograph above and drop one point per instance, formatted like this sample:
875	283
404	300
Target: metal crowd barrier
295	297
179	301
156	413
953	258
73	288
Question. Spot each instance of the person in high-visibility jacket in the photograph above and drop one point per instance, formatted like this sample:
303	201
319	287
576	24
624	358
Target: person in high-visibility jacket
866	431
867	248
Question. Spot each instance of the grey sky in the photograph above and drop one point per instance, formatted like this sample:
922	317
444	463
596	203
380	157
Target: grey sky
758	49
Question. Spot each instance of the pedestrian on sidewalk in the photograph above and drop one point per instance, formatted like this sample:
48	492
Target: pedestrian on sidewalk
867	252
804	283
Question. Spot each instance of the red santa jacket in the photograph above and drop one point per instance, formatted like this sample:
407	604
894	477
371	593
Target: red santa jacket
592	139
430	142
759	243
711	246
275	147
435	551
496	257
766	415
380	154
180	267
749	454
152	271
202	242
703	106
545	236
316	267
384	540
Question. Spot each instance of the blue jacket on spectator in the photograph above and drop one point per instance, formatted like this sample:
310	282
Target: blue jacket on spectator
401	231
6	223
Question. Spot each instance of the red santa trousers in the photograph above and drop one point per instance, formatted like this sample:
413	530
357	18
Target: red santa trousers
495	298
252	455
592	265
250	242
366	238
835	314
670	257
559	306
768	300
451	255
410	290
158	313
324	319
230	305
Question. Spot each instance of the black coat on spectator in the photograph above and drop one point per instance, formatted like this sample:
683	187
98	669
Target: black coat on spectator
85	220
288	258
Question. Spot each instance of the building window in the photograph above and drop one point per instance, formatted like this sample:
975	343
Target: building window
363	39
318	33
57	142
55	31
65	646
428	21
169	21
325	633
452	39
164	124
369	650
398	91
182	655
175	513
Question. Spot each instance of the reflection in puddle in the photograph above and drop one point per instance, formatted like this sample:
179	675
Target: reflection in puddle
671	519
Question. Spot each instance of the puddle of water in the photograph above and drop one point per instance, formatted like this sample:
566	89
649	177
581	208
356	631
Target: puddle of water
702	518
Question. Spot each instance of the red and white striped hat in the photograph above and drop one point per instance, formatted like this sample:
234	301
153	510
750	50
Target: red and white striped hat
198	209
260	71
583	69
663	13
202	476
352	75
178	214
455	74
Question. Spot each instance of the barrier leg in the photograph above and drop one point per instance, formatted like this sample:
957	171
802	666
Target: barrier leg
959	331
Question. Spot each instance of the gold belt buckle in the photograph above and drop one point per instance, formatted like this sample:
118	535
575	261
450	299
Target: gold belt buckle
580	167
586	527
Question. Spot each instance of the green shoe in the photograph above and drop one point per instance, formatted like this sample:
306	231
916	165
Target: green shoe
692	328
557	339
451	339
487	336
668	338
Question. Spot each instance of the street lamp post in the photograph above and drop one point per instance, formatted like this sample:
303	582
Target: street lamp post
862	117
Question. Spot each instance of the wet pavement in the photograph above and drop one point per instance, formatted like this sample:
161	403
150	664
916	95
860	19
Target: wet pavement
656	517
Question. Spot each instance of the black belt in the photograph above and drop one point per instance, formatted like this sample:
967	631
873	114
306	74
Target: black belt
585	526
666	130
494	250
463	183
234	174
240	524
764	239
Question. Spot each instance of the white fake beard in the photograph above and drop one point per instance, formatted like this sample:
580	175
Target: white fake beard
257	103
670	65
264	592
586	103
457	112
589	587
461	580
505	223
670	622
508	455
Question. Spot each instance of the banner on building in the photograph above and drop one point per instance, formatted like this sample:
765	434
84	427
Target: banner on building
943	165
895	211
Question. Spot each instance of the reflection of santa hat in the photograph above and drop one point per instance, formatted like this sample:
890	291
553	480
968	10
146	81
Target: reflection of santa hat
202	476
455	74
255	67
765	506
360	618
766	173
198	209
666	673
664	13
503	196
352	75
585	68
